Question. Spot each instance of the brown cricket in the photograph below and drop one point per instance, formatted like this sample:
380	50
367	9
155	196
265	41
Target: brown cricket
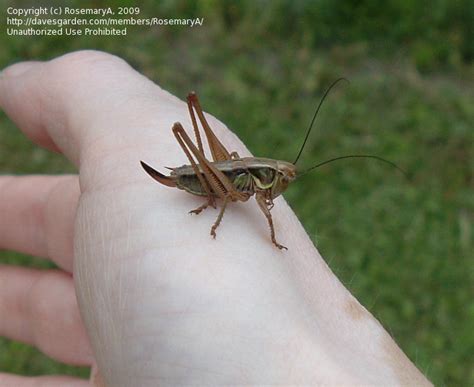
228	176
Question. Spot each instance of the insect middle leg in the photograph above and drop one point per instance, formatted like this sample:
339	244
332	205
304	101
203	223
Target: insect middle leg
219	217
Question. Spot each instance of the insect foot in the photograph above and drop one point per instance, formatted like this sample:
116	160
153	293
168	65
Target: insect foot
198	210
213	232
281	247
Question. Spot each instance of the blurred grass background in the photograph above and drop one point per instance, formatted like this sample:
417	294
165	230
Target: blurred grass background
403	248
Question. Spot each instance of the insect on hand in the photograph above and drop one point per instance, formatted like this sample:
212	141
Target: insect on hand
228	176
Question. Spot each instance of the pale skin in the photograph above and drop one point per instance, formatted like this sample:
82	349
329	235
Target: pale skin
160	302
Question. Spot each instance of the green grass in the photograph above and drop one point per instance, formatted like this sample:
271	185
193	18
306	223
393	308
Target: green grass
403	247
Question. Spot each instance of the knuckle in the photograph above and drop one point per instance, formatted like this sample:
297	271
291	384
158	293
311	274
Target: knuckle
77	67
38	306
44	306
59	212
85	59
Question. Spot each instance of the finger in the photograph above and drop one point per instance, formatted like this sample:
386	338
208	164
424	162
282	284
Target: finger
39	307
37	214
67	102
7	380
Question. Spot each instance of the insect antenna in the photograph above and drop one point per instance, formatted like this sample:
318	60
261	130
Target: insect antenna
315	115
354	156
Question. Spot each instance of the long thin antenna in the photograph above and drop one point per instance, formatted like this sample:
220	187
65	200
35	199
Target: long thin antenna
315	115
354	156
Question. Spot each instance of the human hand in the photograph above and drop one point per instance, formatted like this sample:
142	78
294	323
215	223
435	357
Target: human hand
162	302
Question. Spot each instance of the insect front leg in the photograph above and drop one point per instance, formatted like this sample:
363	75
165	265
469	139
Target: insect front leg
269	203
262	203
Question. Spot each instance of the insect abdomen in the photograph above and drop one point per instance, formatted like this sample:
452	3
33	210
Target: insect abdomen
191	184
241	180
